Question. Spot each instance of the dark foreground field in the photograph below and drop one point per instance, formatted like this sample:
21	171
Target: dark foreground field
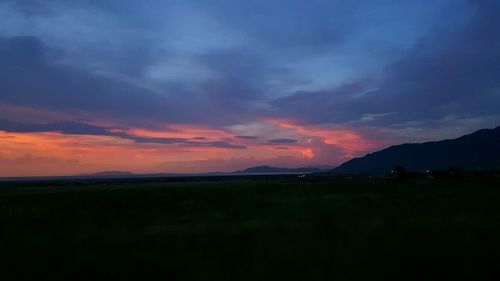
244	229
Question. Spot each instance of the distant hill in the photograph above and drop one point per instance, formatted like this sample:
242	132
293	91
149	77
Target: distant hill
109	174
278	170
479	150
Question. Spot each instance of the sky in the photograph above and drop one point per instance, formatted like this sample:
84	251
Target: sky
192	86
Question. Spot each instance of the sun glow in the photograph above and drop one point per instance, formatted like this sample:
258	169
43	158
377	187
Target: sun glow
308	153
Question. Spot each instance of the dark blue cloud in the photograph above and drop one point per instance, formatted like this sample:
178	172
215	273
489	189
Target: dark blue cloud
68	127
32	76
236	62
246	137
282	141
338	105
445	73
185	142
79	128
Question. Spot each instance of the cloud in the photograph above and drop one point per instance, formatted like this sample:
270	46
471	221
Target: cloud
63	88
69	127
282	141
281	147
38	160
367	117
185	142
325	106
60	87
79	128
134	74
246	137
452	72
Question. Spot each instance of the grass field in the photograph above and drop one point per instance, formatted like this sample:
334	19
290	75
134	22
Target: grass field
280	229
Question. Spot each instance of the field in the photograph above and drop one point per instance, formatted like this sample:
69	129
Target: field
252	229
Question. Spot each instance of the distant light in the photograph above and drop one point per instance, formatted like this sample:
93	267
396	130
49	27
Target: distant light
308	153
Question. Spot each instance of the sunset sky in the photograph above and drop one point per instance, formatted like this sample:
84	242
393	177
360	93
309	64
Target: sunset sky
195	86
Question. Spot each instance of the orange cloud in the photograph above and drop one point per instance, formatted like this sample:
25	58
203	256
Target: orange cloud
179	131
349	140
40	154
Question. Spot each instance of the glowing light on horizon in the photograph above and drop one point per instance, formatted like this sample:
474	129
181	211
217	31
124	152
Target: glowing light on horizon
308	153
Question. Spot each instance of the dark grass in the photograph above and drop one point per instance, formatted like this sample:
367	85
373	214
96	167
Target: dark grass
287	229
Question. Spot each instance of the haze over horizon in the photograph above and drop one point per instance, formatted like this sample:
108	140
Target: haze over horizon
197	86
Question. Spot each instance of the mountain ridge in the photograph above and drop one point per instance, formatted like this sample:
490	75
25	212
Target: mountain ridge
478	150
264	169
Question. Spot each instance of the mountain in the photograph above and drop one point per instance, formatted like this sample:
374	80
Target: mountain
108	174
322	167
479	150
278	170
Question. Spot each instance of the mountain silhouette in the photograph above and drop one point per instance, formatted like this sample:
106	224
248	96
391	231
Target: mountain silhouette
108	174
479	150
279	170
